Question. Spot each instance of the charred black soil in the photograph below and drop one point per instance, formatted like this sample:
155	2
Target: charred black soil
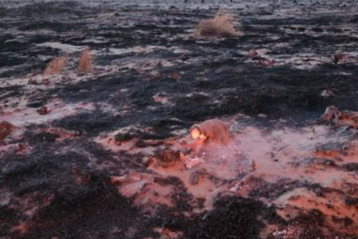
153	79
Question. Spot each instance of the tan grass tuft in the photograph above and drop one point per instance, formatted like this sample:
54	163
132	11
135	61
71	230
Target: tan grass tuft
222	25
85	63
56	65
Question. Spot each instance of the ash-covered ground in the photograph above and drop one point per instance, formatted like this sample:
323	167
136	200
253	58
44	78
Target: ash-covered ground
103	154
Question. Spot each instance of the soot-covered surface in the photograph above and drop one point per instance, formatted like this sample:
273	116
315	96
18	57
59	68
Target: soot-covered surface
106	158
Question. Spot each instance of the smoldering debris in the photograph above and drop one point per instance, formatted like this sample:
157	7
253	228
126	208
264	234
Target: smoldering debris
5	130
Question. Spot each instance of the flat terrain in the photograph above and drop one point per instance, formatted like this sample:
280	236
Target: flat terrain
104	154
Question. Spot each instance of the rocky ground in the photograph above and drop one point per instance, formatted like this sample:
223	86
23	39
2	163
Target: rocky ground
104	154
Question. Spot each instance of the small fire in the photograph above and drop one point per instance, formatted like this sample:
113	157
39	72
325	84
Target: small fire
56	65
222	25
85	64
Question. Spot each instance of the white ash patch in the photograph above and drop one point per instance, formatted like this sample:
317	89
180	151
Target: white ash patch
61	46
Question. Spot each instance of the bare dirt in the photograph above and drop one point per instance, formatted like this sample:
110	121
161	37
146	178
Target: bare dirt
104	154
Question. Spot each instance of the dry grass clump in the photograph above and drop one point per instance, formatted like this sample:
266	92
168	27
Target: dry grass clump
222	25
56	65
85	63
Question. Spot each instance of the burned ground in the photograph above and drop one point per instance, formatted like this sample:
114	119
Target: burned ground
153	78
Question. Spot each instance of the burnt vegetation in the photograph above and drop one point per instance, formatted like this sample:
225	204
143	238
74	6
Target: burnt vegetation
208	78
